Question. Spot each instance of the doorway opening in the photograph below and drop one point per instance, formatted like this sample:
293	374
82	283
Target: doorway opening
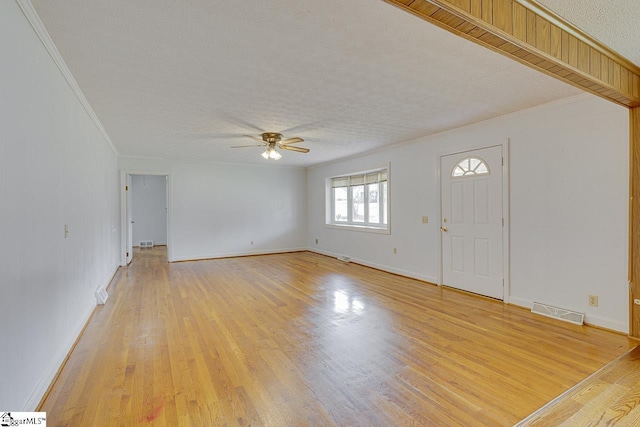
145	213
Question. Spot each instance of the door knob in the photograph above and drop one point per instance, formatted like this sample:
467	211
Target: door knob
443	229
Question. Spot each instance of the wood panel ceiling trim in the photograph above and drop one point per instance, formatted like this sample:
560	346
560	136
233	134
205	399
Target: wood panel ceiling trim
531	34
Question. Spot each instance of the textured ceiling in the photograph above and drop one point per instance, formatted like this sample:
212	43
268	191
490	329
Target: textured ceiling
612	22
184	80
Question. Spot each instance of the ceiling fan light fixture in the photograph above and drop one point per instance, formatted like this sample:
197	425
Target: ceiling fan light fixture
275	155
271	152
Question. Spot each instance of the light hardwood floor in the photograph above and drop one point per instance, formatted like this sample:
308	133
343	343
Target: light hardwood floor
303	339
609	397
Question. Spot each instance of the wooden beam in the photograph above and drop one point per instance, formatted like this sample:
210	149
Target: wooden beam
533	35
634	223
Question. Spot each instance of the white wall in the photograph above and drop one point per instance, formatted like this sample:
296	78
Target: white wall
56	168
149	193
218	209
569	206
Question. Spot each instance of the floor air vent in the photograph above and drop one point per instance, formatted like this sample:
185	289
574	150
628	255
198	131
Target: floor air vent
344	258
558	313
101	295
146	244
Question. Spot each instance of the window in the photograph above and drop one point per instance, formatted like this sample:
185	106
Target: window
469	167
360	200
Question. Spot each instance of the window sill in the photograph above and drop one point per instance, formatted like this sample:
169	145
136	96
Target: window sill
362	228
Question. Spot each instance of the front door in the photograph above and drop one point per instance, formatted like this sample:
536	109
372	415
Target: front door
472	221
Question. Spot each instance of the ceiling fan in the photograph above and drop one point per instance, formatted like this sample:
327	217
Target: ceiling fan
273	140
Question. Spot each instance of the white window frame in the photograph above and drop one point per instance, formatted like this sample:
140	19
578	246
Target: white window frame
350	224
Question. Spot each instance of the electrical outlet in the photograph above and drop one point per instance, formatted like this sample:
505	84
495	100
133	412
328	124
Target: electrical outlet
593	300
425	219
395	250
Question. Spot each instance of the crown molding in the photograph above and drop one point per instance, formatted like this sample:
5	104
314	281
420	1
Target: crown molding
565	25
37	25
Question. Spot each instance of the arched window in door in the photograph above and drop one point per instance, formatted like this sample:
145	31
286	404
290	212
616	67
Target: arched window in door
470	166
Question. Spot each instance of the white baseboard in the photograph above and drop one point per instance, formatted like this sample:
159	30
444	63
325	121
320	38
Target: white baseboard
520	302
58	359
197	257
606	323
387	268
602	322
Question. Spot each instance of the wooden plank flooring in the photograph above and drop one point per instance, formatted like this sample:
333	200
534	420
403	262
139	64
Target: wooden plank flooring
611	396
302	339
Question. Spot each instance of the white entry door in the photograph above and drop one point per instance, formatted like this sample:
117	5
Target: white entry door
472	221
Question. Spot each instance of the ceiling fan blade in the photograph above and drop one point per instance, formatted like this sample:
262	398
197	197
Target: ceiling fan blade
255	138
291	141
298	149
245	146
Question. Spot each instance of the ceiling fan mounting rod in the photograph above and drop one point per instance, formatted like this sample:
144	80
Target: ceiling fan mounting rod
271	137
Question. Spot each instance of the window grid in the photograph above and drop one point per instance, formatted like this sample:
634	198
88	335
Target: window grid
470	166
360	200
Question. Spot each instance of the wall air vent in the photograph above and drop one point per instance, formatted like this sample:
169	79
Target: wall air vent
146	244
558	313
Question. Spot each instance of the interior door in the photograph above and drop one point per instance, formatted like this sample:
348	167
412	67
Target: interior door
129	220
472	221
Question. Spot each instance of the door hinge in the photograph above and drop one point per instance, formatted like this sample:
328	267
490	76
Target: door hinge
503	222
126	188
503	161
